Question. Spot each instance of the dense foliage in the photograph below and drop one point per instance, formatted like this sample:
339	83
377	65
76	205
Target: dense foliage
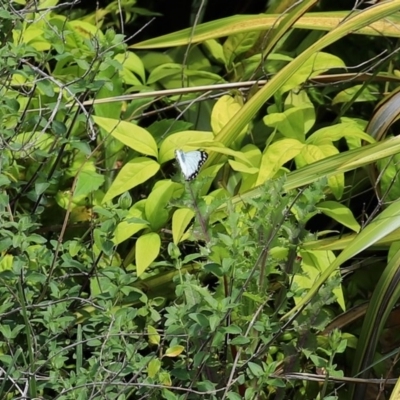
272	275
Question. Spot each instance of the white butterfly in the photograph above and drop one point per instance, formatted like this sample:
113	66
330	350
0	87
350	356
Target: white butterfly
190	162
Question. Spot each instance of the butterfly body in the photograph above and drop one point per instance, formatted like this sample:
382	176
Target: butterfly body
190	162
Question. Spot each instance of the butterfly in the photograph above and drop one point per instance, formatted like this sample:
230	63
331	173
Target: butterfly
190	162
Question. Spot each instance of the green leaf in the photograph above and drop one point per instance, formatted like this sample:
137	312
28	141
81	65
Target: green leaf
310	154
291	123
313	264
238	44
171	75
5	330
315	65
240	167
215	50
336	132
239	340
131	62
156	210
224	109
276	155
88	182
154	336
255	369
174	351
234	396
356	93
339	213
129	134
182	140
214	321
153	367
147	249
180	221
133	173
168	395
133	223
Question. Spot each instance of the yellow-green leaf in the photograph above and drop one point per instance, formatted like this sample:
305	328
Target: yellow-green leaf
276	155
154	337
224	109
336	132
310	154
180	221
165	378
180	140
156	210
147	249
133	223
312	265
153	367
174	351
239	167
315	65
133	173
339	213
129	134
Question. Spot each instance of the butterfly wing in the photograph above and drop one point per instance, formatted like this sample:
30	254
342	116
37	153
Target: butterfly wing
191	162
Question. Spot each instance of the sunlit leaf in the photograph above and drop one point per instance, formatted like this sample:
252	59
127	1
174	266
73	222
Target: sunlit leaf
147	249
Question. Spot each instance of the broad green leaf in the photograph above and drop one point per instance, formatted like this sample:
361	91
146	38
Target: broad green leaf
239	167
99	285
133	223
129	134
156	210
174	351
180	221
356	93
6	262
163	71
86	29
215	147
168	395
133	173
30	140
256	370
336	132
314	66
165	378
253	154
88	182
290	123
132	63
339	213
301	100
238	44
276	155
154	336
180	141
216	50
310	154
224	109
153	367
170	76
147	249
313	264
